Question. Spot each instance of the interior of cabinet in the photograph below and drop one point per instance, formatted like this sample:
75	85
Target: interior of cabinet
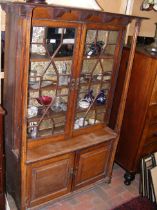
53	79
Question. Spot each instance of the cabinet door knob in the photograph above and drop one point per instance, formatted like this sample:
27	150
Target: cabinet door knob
71	172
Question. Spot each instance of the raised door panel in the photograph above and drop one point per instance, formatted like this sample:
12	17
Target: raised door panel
91	164
49	179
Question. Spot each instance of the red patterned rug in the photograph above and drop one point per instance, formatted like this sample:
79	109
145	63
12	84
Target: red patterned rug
139	203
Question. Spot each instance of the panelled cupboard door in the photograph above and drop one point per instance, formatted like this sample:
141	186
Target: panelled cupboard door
91	164
49	179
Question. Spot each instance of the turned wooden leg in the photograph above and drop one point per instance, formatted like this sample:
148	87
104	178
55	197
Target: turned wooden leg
129	177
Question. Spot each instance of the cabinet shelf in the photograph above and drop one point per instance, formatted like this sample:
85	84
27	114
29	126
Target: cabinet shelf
49	87
105	56
95	107
50	131
43	58
98	82
49	115
85	92
109	43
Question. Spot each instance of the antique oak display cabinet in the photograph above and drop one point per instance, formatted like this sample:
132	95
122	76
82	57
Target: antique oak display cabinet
61	67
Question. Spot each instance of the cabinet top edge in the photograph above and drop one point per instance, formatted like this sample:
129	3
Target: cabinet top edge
142	50
8	4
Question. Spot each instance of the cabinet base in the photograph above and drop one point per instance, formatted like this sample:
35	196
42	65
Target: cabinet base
129	177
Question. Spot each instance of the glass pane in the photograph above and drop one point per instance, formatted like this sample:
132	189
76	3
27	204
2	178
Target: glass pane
95	77
49	80
99	42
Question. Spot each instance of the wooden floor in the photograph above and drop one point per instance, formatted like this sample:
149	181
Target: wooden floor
101	196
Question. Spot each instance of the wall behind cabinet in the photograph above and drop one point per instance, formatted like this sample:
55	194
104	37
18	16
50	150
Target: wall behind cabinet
147	26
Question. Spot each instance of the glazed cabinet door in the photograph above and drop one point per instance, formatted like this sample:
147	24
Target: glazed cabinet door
91	164
49	179
98	72
51	77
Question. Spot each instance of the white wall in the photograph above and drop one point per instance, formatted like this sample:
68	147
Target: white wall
111	5
148	26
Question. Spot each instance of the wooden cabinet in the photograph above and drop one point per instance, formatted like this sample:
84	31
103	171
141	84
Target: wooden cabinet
138	133
2	198
61	68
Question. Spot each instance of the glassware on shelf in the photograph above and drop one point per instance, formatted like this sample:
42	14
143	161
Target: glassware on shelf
81	122
101	98
95	48
32	111
59	105
44	100
33	75
89	96
33	130
87	100
84	103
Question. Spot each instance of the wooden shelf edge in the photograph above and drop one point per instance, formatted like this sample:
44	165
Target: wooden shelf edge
50	150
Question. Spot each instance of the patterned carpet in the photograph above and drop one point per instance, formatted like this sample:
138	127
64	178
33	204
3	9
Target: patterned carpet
138	203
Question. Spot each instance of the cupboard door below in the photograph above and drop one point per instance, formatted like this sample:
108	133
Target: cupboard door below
49	179
91	164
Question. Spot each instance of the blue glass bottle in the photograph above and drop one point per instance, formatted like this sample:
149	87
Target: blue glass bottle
101	98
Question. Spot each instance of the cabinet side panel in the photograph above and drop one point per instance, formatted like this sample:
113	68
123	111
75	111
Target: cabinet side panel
12	164
119	88
15	62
